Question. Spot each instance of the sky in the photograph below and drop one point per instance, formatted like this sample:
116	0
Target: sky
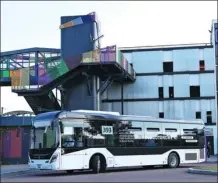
26	24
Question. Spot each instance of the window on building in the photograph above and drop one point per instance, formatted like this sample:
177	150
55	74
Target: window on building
201	65
194	91
161	93
198	115
171	92
168	66
161	115
209	116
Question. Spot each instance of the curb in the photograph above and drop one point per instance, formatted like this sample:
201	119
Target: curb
202	172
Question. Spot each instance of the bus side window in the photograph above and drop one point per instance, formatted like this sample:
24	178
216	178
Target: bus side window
172	135
153	134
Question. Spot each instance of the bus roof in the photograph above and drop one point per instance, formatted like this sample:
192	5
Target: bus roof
105	115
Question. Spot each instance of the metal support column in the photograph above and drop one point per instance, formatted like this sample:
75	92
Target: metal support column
37	67
94	92
98	99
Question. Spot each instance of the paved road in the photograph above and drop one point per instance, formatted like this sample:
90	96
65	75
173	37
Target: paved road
126	175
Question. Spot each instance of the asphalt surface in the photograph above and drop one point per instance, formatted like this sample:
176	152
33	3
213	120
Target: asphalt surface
157	174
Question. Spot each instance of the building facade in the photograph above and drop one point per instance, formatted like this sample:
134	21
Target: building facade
175	82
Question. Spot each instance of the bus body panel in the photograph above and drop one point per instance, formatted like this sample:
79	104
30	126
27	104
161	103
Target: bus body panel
81	159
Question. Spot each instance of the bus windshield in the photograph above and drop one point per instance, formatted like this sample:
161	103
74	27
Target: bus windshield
44	137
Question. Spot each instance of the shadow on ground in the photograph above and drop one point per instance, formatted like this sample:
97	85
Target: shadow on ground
86	172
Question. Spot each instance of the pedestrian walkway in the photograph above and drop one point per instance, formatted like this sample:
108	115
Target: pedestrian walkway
212	159
13	168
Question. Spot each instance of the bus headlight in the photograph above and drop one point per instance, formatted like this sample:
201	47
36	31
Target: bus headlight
54	158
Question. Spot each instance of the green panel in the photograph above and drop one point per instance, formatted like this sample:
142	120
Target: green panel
62	67
6	74
51	68
53	73
119	57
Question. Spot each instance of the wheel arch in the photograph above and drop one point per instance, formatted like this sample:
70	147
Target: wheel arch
102	157
176	154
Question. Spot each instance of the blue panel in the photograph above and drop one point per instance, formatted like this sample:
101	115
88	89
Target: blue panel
25	143
209	58
181	85
147	62
15	121
207	88
77	97
77	39
216	36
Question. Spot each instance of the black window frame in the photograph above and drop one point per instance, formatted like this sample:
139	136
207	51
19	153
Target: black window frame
193	90
161	92
209	117
202	62
198	115
171	91
161	114
168	66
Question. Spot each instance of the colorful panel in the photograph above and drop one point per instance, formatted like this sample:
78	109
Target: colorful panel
6	73
87	57
25	77
25	141
6	145
74	61
96	56
62	67
15	143
76	40
78	21
15	77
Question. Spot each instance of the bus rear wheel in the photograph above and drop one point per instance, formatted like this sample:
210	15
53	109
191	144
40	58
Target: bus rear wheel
98	164
173	160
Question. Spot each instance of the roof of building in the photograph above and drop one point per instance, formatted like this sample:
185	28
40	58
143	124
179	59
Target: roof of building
166	47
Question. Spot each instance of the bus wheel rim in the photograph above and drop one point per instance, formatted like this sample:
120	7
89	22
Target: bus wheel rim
173	161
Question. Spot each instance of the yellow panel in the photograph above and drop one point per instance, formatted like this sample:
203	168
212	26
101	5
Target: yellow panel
87	57
96	56
24	81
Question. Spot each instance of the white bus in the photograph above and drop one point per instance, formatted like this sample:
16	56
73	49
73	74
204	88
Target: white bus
82	139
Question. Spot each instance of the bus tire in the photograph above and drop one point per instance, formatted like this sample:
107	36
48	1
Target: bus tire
69	171
98	164
173	160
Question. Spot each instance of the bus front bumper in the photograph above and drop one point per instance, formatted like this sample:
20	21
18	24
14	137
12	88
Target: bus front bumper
42	165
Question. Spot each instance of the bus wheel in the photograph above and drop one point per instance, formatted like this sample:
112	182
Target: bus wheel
69	171
173	160
98	164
